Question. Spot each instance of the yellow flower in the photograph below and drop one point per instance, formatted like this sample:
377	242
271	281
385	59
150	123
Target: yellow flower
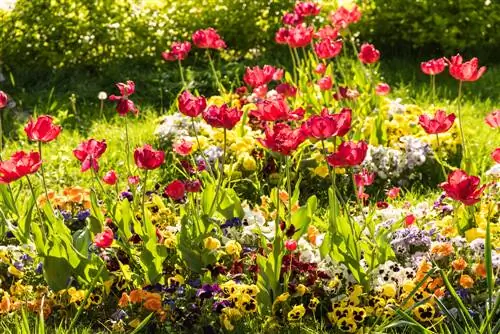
283	297
249	163
347	325
252	290
296	313
424	312
321	171
233	248
358	314
76	296
388	290
246	303
134	323
313	303
211	243
229	287
300	290
474	233
15	272
215	100
357	290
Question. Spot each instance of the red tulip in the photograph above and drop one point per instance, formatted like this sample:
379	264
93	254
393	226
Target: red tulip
286	90
300	36
43	129
462	187
88	152
348	154
104	239
327	48
4	99
147	158
110	178
20	164
364	178
282	35
493	119
124	105
467	71
439	124
345	93
328	125
368	54
191	105
327	32
182	147
325	83
222	117
496	155
275	109
256	76
175	190
320	68
134	180
343	17
307	8
410	220
208	39
382	89
292	19
193	186
282	139
260	91
393	192
291	245
433	66
178	51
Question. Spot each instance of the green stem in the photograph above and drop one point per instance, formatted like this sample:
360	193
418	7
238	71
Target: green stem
36	206
294	71
182	74
331	172
209	167
42	169
127	147
289	187
464	151
87	295
221	173
433	85
144	196
219	85
437	155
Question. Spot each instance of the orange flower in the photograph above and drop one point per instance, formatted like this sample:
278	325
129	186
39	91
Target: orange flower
153	302
480	270
442	249
124	300
423	269
5	303
284	196
466	281
438	293
312	234
436	283
459	264
137	296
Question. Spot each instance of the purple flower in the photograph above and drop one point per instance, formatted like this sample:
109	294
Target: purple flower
127	195
207	291
82	215
218	306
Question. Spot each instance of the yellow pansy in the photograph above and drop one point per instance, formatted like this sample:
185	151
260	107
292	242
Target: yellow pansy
321	171
296	313
211	243
233	248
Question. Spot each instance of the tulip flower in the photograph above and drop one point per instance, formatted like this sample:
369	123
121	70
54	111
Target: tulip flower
276	109
124	104
307	8
282	139
300	36
368	54
88	152
439	124
42	130
467	71
4	99
320	68
361	180
325	83
147	158
382	89
349	154
191	105
286	90
327	48
222	117
342	18
178	51
410	220
104	239
256	76
493	119
110	178
282	36
327	125
462	187
393	192
327	32
496	155
433	66
291	245
182	147
176	190
20	164
193	186
292	19
208	39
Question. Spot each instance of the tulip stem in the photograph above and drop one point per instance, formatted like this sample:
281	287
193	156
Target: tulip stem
221	172
464	151
42	169
433	85
289	187
209	167
294	70
182	74
437	155
36	206
128	146
144	197
219	85
332	178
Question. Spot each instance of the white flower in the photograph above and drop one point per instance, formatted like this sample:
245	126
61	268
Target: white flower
102	96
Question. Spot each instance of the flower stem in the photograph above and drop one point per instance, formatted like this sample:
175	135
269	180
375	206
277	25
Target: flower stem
144	196
127	146
464	151
221	172
332	178
36	206
182	74
209	167
437	155
42	169
294	71
219	85
433	85
289	187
